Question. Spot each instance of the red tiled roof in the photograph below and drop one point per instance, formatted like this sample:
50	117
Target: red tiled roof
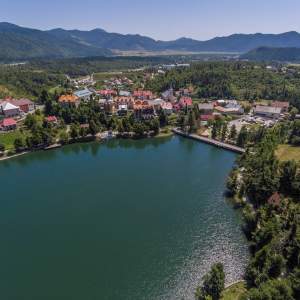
274	199
207	117
51	119
9	122
142	94
106	92
186	101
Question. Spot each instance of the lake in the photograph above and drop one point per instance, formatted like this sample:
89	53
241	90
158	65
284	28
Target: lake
120	220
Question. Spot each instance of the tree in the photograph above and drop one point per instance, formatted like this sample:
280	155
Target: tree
242	137
233	132
94	128
19	144
2	147
288	172
224	131
213	283
192	123
74	131
64	137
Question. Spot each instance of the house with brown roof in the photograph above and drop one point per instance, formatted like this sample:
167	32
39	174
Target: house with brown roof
25	105
69	100
283	105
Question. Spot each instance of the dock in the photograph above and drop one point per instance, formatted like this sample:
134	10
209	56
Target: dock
210	141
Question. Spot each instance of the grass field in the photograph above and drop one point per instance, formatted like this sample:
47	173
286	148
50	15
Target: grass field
234	292
288	152
8	138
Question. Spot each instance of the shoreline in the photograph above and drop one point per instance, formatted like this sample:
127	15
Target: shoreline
80	140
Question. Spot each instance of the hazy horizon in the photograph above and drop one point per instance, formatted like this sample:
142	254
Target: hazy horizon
161	20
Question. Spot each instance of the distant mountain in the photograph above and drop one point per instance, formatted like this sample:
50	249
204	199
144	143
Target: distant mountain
18	43
233	43
23	43
273	54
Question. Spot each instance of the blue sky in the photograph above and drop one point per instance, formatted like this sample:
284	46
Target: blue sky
160	19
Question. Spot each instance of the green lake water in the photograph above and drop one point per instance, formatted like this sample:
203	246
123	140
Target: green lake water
119	220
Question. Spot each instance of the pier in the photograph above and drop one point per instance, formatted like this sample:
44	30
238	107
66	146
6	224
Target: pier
210	141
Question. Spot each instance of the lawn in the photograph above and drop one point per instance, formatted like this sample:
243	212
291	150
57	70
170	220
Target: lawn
234	292
288	152
8	138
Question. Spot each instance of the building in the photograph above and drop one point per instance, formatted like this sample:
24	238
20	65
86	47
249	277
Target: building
8	124
84	95
9	110
281	104
69	100
267	111
274	200
204	119
124	94
122	109
25	105
230	109
167	107
107	93
206	108
168	94
143	95
185	102
51	119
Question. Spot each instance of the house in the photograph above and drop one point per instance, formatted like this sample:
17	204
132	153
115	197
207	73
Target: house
157	103
124	94
69	100
51	119
267	111
230	109
168	94
281	104
107	93
129	101
122	109
167	107
185	102
274	200
9	110
142	109
25	105
110	107
204	119
8	124
143	95
84	95
206	108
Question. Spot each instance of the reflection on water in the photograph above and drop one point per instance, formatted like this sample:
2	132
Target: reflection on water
121	219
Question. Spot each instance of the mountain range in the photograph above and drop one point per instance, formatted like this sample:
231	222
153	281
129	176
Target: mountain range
273	54
20	43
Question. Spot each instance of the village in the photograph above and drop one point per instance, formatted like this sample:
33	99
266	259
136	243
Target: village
118	98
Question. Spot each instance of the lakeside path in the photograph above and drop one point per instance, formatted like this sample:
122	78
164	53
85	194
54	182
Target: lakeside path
210	141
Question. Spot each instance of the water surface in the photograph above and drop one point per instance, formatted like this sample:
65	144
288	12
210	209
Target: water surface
121	220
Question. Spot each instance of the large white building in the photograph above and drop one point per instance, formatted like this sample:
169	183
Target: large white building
267	111
9	110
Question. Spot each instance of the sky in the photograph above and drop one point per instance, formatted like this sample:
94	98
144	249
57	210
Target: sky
159	19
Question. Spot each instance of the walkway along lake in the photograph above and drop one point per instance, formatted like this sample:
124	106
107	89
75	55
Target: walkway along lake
121	220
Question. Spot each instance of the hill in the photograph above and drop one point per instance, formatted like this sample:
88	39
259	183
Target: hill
19	43
273	54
